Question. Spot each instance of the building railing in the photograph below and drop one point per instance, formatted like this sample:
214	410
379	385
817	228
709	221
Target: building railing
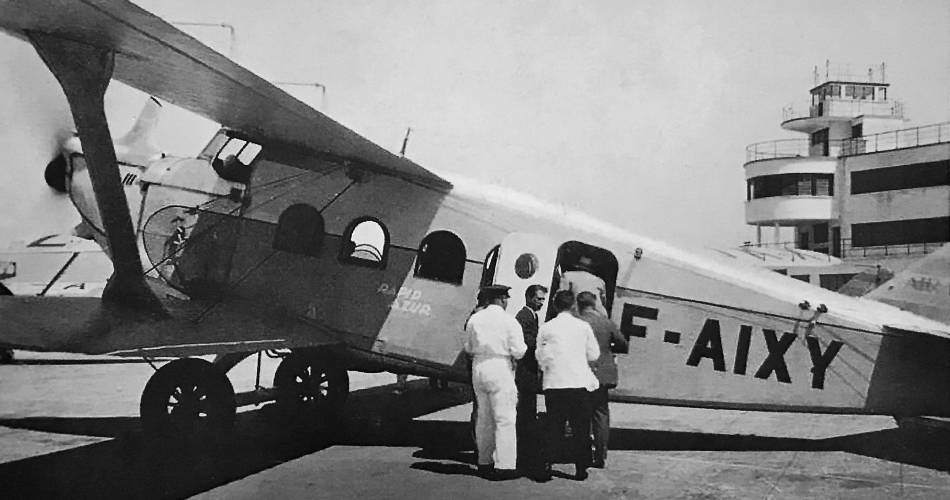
895	250
897	139
848	250
833	106
884	141
764	251
788	148
781	148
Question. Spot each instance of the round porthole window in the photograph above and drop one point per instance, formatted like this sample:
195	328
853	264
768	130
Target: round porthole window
526	265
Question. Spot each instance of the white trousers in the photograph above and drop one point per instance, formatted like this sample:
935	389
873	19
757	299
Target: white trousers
497	397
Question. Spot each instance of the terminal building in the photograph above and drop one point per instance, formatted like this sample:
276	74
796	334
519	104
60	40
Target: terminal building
861	187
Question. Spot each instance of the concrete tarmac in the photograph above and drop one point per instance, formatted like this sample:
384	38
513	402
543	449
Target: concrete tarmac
69	429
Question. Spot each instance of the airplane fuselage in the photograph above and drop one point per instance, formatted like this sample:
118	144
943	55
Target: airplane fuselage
702	333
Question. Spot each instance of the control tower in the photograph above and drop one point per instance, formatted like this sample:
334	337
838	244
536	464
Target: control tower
791	182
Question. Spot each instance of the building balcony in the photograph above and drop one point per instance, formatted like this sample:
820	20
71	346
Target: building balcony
832	110
788	210
896	139
790	155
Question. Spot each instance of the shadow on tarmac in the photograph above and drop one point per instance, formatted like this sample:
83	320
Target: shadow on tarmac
126	467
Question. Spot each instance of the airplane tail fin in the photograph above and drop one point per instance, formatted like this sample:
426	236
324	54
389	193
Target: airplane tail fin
137	146
923	288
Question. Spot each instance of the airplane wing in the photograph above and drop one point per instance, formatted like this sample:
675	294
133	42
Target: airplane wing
88	325
157	58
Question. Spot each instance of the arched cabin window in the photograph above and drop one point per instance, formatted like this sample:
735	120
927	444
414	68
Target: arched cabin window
366	243
299	230
441	257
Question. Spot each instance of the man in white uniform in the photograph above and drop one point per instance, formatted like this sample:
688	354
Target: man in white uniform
495	342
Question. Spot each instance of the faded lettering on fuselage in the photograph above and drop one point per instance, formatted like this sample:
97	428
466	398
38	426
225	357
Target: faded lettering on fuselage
406	299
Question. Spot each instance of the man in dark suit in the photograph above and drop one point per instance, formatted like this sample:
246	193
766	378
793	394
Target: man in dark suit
610	341
526	379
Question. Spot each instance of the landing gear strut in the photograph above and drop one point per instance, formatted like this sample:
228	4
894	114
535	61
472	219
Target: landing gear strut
186	398
311	388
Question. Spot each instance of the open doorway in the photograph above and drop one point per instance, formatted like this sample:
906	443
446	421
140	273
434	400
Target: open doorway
575	256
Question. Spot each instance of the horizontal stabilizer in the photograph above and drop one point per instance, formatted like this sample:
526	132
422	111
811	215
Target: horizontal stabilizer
915	330
923	288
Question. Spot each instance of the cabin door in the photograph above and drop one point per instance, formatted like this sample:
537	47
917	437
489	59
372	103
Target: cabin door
525	259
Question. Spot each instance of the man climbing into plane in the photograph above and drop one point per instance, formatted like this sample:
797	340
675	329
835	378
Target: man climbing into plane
495	342
610	341
581	278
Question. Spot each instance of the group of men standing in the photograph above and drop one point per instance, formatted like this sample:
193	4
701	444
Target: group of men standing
569	358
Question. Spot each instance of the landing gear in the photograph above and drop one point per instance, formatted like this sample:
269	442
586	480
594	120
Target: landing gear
187	398
311	388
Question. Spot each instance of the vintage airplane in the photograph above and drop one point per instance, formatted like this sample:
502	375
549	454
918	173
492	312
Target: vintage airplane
291	232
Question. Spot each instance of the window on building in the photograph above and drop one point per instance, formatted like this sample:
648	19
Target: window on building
917	175
802	277
299	230
857	130
820	233
441	257
803	242
767	186
900	232
824	185
365	242
805	184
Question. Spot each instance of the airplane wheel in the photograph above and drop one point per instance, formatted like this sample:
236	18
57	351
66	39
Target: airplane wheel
310	387
185	398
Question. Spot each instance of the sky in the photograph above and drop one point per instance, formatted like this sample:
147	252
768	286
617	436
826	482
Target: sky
635	112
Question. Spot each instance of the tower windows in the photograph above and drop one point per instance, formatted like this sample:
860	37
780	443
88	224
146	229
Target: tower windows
441	257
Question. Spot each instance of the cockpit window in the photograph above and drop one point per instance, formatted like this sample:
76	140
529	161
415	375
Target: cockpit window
441	257
233	160
366	243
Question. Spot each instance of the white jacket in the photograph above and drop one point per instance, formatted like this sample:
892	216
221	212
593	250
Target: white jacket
494	340
566	345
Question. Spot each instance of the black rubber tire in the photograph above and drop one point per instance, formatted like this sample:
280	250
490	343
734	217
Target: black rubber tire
311	388
187	398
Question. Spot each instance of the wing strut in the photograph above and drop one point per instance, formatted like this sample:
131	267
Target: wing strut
84	72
